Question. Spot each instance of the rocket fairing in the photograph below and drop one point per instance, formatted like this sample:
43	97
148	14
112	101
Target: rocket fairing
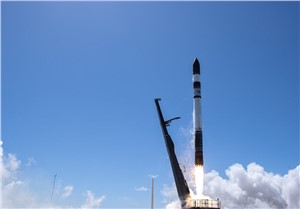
197	114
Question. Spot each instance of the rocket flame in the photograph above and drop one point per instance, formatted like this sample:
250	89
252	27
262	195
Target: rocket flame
199	181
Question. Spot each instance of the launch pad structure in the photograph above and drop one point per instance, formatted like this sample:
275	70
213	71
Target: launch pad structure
187	202
205	204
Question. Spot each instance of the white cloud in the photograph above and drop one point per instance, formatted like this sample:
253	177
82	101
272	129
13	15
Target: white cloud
291	187
30	161
141	189
14	192
170	196
67	191
18	193
252	187
169	193
91	201
9	167
174	205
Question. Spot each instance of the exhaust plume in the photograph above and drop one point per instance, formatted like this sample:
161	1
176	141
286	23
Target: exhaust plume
199	181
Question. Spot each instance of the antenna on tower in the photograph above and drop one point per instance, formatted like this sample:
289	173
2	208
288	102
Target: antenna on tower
53	187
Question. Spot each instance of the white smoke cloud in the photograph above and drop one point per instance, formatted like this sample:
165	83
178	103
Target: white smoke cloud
169	192
291	187
174	205
141	189
252	187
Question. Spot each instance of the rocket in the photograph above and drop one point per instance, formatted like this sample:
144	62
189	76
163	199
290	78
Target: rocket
197	114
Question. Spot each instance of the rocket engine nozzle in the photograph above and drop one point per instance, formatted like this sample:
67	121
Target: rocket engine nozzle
198	158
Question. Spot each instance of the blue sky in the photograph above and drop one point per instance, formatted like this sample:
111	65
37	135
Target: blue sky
79	80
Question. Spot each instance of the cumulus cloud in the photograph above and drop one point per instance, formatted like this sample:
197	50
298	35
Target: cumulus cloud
250	187
17	192
92	201
10	165
141	189
14	192
30	161
67	191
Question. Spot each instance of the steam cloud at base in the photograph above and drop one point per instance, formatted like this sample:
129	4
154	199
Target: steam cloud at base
250	187
253	187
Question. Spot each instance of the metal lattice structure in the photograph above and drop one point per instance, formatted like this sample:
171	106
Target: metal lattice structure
205	204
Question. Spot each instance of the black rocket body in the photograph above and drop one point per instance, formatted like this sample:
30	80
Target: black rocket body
197	114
